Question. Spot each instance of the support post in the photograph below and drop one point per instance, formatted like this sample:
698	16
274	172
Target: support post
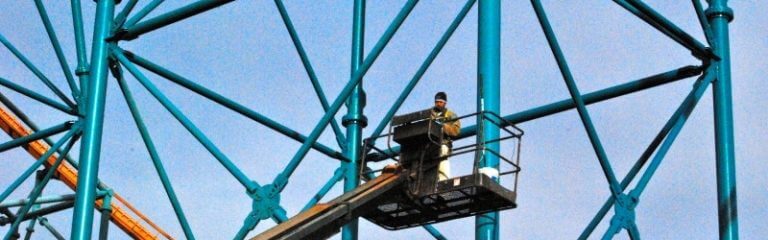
90	149
106	212
354	121
719	15
488	87
82	62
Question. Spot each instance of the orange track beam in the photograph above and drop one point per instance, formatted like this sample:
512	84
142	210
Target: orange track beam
123	218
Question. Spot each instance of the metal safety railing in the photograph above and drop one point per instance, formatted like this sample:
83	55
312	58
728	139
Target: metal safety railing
509	130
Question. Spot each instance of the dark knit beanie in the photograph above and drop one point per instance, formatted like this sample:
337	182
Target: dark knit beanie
441	96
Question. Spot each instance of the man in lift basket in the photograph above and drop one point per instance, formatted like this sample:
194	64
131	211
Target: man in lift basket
451	129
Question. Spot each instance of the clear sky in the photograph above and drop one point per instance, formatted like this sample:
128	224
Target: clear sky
243	51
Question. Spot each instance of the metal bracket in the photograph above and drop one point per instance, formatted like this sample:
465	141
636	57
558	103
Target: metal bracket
718	10
346	120
624	217
266	201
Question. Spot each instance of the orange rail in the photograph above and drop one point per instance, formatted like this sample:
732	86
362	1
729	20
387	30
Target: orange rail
123	218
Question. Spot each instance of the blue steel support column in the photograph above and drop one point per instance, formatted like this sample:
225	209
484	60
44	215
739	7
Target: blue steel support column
719	14
488	87
82	62
354	121
90	149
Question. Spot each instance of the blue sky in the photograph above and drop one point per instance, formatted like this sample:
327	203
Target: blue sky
243	51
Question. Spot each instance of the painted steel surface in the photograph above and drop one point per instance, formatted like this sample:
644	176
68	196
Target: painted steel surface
89	106
123	218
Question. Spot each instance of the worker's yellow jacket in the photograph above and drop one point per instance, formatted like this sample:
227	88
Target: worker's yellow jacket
451	125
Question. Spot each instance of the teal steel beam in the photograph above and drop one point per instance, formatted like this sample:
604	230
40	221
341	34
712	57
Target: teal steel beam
354	120
698	49
56	234
228	103
568	104
153	154
597	146
434	232
90	147
719	15
106	212
32	126
57	48
142	13
245	229
310	70
82	59
687	107
104	224
644	157
420	72
123	15
41	212
488	99
31	226
199	135
703	20
35	206
337	175
44	199
282	178
36	71
169	18
38	189
36	96
632	9
36	136
77	22
42	159
682	112
278	215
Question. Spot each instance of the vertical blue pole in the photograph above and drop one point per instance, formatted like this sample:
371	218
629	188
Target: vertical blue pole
354	121
719	14
82	221
82	62
488	61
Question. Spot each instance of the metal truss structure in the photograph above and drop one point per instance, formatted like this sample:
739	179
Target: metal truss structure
86	105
